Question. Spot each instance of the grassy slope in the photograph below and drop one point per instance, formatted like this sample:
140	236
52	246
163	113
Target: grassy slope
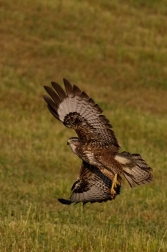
116	52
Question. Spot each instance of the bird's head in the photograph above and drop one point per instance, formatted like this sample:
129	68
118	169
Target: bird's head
74	143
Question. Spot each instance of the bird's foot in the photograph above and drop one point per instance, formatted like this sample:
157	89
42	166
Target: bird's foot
115	182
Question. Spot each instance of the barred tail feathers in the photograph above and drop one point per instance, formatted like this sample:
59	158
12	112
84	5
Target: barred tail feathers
135	169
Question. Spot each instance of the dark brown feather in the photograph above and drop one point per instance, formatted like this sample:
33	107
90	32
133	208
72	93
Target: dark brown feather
59	90
53	112
77	91
69	88
50	102
54	96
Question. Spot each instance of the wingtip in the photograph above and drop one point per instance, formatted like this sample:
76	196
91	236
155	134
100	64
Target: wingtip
68	87
65	80
59	90
45	98
64	201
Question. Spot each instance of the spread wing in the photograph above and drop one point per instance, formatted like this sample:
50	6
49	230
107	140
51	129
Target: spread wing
91	186
78	111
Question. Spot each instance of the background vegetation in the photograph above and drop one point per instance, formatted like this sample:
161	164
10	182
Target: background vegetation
117	52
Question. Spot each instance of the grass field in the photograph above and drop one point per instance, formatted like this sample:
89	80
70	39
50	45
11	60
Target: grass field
115	51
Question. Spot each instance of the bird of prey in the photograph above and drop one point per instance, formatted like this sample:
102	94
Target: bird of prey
96	145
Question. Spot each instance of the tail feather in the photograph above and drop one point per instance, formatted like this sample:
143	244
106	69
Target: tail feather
135	169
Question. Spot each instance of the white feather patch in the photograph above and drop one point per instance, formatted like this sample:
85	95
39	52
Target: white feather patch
122	160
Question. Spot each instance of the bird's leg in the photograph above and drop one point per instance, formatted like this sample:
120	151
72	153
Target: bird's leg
115	182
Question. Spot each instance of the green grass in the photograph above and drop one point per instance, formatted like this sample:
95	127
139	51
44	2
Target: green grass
115	51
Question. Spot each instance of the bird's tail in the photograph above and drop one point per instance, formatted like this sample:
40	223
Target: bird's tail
135	169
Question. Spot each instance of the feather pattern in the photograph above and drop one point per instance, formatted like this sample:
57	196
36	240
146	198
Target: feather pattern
78	111
135	169
91	186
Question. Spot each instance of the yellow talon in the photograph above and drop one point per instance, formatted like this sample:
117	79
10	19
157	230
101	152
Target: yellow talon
115	182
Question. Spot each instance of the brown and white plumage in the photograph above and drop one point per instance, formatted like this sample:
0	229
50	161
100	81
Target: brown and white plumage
96	143
79	112
91	186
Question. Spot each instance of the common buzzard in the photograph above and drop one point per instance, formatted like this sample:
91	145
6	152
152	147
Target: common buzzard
96	145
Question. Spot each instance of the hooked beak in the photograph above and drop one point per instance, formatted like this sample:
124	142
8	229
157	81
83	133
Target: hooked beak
68	142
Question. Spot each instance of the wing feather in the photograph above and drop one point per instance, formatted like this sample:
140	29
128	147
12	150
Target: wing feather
50	103
91	186
76	90
69	88
53	95
59	90
53	112
78	111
